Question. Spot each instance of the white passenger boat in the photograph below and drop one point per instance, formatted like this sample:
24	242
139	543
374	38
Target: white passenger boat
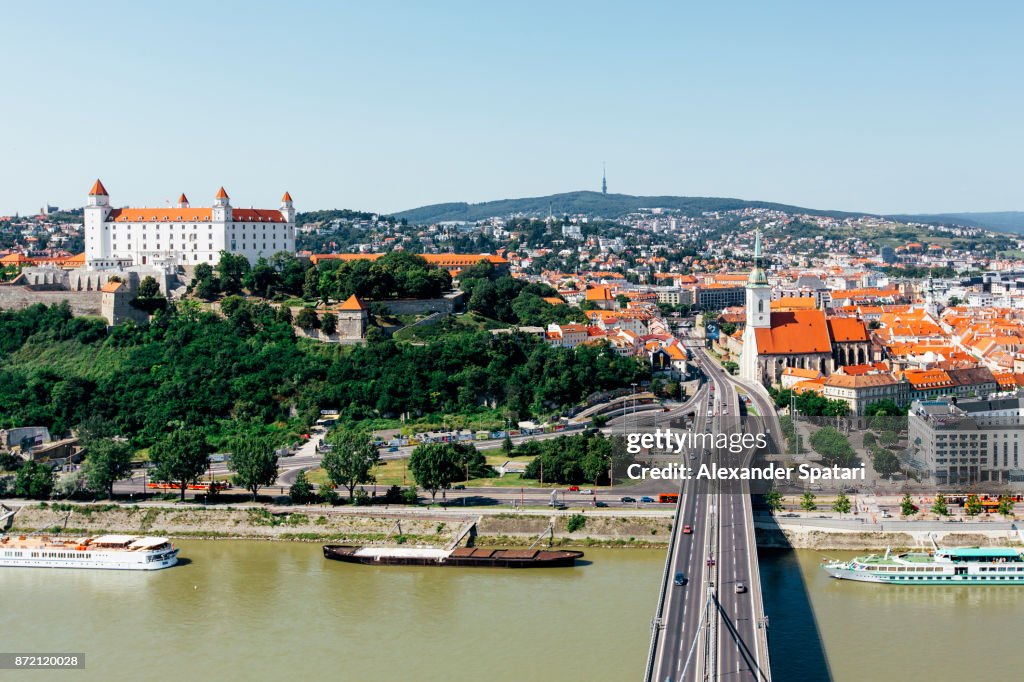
950	566
123	552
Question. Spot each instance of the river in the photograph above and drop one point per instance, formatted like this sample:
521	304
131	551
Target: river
885	632
277	610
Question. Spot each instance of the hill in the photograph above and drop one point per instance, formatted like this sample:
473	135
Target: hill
1003	221
590	203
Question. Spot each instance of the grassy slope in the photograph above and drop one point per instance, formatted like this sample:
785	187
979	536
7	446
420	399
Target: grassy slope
69	358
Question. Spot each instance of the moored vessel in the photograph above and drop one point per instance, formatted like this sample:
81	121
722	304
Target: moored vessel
463	556
119	552
947	566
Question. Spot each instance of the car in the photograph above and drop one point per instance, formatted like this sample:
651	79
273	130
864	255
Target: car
646	499
687	529
586	491
791	515
711	561
627	500
393	448
680	579
458	487
557	505
574	488
740	588
599	503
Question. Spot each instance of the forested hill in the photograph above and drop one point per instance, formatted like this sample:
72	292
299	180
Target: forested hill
591	203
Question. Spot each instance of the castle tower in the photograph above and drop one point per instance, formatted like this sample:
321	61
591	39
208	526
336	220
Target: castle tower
287	209
97	208
222	207
183	201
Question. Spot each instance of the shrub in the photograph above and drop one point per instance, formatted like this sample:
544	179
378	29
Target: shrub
576	522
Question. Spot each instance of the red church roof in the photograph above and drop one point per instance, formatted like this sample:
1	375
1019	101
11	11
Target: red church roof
795	332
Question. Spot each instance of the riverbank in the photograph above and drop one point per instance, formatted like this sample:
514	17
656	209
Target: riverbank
494	527
346	525
850	534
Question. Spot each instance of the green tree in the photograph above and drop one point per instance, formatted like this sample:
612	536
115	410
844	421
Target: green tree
181	458
329	323
34	480
435	467
307	319
351	459
301	491
148	288
773	498
506	445
885	462
254	462
973	505
807	501
842	504
231	271
106	462
907	506
939	506
1005	505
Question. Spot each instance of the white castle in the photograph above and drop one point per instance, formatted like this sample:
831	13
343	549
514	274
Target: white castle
182	235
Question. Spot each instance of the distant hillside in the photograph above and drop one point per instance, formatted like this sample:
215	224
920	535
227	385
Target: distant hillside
1004	221
590	203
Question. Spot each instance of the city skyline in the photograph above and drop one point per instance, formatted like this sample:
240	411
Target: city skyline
876	109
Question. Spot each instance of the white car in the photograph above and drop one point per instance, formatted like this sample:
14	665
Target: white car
586	491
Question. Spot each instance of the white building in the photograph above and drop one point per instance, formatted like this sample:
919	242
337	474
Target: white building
182	235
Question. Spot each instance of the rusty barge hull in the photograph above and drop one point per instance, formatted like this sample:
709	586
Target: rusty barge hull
465	557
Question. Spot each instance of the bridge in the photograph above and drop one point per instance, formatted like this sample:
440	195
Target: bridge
713	627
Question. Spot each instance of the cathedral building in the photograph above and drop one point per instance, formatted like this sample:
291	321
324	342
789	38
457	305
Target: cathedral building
803	339
182	235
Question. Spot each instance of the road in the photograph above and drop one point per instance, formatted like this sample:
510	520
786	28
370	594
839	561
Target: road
709	629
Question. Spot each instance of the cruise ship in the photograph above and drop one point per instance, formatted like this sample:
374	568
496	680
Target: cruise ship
120	552
953	566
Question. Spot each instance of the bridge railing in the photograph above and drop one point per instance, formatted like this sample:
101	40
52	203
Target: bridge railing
656	624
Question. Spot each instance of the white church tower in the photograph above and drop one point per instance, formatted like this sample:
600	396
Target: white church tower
759	314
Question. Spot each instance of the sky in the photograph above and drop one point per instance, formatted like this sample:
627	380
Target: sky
883	107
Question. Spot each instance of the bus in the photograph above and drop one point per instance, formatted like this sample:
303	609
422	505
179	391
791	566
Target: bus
668	498
218	486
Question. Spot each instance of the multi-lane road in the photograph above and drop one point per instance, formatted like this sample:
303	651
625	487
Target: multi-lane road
712	628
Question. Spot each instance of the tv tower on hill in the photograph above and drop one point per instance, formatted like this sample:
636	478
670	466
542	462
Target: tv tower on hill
604	179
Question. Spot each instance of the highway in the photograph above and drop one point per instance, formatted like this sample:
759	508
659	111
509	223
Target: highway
708	629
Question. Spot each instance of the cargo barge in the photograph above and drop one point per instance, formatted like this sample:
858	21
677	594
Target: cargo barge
476	557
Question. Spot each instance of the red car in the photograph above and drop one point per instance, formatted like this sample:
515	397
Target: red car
687	530
711	561
574	488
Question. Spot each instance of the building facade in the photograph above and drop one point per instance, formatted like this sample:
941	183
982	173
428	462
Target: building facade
182	235
965	442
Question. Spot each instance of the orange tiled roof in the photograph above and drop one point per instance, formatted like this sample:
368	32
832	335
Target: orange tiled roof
798	331
192	215
794	303
352	303
286	197
847	329
438	259
98	190
221	194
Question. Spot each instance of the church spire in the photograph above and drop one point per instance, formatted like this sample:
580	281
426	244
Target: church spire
757	277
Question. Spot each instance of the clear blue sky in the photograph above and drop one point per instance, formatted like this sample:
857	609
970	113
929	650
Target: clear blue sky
875	106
